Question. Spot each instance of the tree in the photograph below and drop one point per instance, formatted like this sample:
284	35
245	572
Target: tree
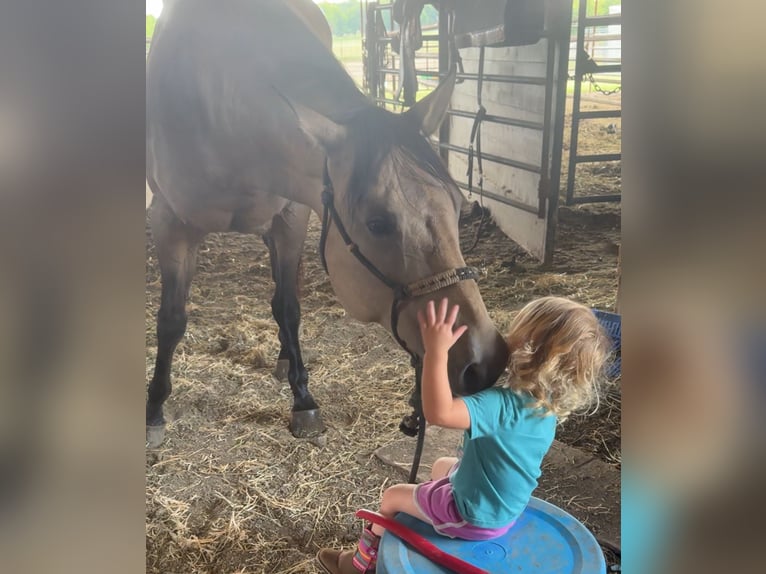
342	17
150	22
429	15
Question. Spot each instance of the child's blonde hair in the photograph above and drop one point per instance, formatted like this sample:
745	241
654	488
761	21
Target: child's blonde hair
558	353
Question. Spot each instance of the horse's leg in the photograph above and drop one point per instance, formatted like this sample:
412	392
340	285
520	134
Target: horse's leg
176	246
285	242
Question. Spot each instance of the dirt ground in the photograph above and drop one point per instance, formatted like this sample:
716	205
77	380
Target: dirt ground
231	491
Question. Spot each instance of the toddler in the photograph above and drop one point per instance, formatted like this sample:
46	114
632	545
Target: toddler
557	354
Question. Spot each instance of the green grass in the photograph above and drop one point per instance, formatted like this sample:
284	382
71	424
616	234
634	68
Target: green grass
348	48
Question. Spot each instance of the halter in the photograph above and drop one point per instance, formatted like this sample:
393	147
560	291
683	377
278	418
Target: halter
415	423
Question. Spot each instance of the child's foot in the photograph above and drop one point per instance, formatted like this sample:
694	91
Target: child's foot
337	561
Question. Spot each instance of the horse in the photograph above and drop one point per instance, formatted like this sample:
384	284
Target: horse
251	124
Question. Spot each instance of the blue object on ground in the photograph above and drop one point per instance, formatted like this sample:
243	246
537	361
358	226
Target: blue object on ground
544	540
612	324
649	522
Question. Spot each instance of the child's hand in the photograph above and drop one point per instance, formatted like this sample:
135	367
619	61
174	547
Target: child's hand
436	327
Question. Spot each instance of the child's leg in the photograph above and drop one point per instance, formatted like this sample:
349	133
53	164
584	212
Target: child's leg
442	466
399	498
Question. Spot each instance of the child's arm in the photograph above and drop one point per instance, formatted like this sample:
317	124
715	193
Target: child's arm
439	407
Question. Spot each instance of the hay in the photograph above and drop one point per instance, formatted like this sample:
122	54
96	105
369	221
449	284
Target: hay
232	490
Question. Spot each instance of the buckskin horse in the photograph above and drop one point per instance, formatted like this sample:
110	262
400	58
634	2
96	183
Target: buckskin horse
251	123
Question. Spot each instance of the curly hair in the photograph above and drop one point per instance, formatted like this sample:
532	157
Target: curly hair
558	351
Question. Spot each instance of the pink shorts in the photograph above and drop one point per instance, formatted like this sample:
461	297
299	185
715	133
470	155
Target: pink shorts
435	501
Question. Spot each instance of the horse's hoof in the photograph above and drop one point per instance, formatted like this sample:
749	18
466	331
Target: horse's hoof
280	371
155	435
306	424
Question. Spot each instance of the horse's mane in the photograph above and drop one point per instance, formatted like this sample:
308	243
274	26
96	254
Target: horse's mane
374	134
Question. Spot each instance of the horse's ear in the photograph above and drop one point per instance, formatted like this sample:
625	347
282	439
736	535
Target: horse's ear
430	111
320	129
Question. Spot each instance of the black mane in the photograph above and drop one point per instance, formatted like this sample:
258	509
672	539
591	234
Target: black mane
375	133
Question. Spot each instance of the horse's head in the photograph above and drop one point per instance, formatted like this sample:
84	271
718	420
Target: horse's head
400	207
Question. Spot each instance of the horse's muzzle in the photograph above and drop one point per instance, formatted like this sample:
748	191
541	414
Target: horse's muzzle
487	365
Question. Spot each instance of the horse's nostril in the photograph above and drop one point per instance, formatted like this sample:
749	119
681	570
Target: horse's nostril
485	368
473	379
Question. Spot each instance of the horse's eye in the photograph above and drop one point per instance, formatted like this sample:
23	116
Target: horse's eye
381	226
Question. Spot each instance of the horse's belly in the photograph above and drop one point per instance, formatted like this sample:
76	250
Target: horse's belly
246	212
257	217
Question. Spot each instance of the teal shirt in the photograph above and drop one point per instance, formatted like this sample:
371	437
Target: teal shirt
502	453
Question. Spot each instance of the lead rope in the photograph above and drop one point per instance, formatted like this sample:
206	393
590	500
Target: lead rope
476	135
415	422
421	419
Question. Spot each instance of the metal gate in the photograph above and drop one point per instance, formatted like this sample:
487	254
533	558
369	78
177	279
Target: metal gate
503	137
587	65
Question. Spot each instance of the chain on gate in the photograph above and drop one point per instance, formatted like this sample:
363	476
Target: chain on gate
596	86
601	90
590	67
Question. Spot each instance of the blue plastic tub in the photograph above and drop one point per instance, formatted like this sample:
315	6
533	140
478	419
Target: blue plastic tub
544	540
612	324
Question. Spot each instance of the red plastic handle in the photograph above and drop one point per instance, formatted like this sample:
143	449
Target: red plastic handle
420	544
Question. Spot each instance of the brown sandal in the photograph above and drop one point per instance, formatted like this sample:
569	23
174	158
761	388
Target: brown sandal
337	561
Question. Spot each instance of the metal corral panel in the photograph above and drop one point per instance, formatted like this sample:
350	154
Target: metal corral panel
520	84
